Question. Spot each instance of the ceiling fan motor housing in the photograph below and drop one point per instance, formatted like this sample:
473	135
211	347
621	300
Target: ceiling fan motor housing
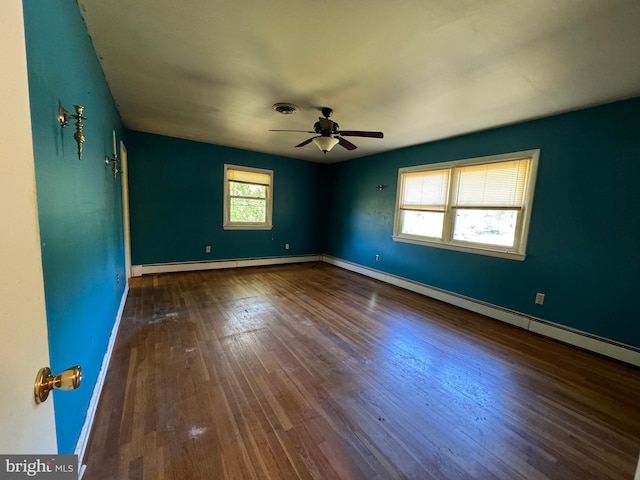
335	128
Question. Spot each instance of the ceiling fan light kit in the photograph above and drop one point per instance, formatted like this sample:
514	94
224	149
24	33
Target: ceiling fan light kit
328	131
325	143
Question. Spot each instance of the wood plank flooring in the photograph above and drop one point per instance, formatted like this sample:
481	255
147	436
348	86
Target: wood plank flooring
312	372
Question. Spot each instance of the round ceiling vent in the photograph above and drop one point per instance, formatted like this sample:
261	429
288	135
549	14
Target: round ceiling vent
285	108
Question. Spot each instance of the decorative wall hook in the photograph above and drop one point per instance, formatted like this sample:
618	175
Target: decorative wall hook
113	159
63	118
380	187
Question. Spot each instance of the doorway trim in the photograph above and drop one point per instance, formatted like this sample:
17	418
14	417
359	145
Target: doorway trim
124	177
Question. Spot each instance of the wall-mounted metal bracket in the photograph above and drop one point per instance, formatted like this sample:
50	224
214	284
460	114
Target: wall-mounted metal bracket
63	118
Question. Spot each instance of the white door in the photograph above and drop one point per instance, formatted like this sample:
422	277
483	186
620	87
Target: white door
26	428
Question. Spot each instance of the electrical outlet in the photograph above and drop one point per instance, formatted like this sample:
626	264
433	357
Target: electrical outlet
539	298
207	249
286	246
117	278
377	258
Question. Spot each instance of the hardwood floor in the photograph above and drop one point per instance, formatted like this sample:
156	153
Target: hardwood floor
312	372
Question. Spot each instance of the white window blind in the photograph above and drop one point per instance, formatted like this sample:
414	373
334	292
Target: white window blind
426	191
500	185
245	176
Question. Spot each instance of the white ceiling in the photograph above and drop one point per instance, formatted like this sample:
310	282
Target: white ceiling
418	70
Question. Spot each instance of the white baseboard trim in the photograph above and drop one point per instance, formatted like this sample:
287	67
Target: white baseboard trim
577	338
83	440
139	270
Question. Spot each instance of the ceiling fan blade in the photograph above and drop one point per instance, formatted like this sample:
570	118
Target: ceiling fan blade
356	133
346	143
326	124
305	142
303	131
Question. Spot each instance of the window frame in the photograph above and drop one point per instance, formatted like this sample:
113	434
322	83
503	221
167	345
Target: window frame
517	252
230	225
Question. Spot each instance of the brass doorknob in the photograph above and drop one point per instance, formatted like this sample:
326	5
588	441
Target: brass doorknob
70	379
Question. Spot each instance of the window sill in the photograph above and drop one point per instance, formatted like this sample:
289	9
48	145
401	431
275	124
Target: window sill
463	248
247	227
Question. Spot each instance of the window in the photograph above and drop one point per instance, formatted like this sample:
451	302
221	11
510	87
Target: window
480	205
247	198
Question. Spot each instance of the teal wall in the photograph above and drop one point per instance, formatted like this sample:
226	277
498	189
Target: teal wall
79	203
584	240
176	194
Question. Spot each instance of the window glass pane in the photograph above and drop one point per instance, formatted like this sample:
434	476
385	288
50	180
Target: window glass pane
247	190
426	189
491	227
426	224
499	184
248	210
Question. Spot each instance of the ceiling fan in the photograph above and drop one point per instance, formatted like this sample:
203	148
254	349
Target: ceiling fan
329	133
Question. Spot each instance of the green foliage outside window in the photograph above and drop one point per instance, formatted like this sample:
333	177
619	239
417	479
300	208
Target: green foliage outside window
248	202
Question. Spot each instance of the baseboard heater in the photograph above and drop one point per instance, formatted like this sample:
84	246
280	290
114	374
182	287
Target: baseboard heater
155	268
